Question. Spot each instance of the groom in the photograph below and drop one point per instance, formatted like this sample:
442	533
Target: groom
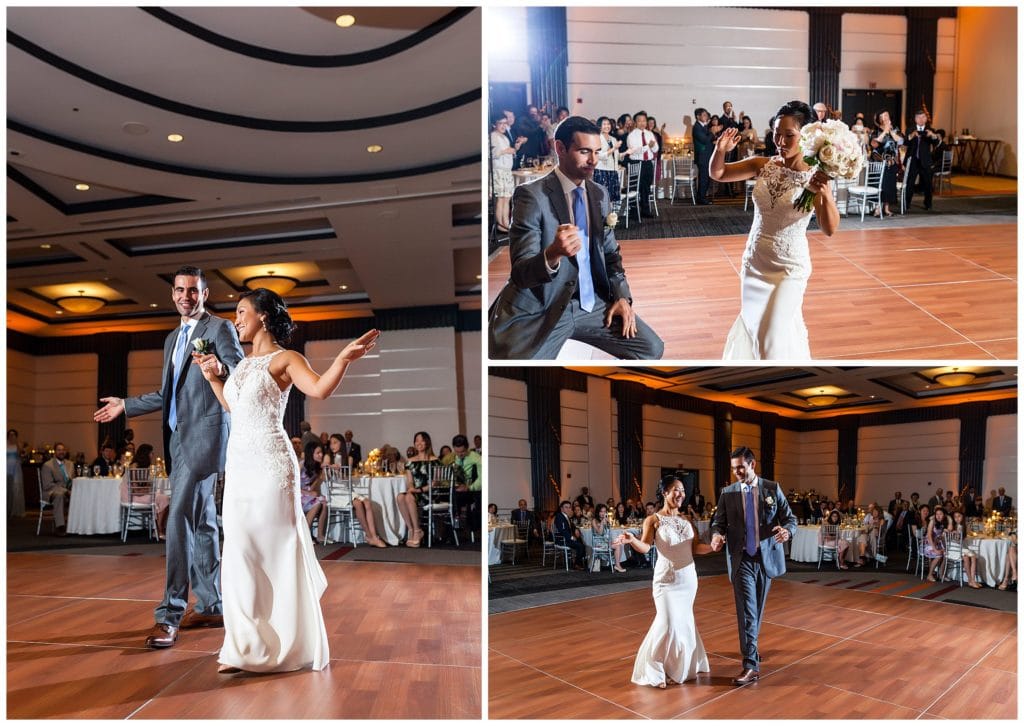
195	431
754	519
567	278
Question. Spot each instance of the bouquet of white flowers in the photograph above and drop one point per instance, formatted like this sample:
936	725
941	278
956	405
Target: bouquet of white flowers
833	148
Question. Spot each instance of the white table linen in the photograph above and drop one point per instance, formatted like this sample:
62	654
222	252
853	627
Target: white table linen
95	506
383	492
496	534
804	545
992	554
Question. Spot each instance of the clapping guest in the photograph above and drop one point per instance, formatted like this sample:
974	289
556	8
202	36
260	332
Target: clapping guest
642	146
934	545
886	142
841	545
417	477
607	172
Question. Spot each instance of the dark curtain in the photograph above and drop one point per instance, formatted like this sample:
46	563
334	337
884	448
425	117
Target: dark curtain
769	422
547	47
723	446
544	425
630	399
922	46
824	51
973	423
112	380
848	426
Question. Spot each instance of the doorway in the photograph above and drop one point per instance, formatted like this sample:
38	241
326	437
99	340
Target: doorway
870	101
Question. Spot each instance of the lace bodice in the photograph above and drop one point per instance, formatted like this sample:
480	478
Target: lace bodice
674	540
258	438
778	235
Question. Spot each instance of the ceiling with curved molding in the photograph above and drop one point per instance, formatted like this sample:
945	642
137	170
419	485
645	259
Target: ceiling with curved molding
277	109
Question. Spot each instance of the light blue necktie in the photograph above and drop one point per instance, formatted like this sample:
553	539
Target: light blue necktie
579	213
63	471
751	523
179	366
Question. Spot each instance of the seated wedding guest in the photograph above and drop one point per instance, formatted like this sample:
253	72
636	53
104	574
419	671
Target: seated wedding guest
1002	503
633	510
979	507
904	519
650	509
143	459
835	518
334	451
607	172
55	478
621	514
934	545
569	536
503	152
524	517
577	518
600	526
362	508
492	513
1010	571
124	456
562	113
445	454
469	475
409	452
610	502
550	296
314	504
920	524
867	540
105	460
417	476
297	447
969	557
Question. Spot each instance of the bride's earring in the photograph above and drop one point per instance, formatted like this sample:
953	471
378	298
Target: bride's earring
264	321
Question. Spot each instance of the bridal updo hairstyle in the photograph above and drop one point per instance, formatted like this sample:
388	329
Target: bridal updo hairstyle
665	484
267	302
798	110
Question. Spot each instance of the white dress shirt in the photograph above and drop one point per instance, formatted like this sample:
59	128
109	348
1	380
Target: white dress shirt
568	189
639	139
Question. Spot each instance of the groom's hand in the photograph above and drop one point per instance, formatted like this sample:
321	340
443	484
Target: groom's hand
781	534
624	310
567	243
113	409
717	541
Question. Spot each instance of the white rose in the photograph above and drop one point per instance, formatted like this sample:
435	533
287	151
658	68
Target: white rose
611	220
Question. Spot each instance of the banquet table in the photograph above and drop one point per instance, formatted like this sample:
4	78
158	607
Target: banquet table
496	534
383	492
804	545
95	506
992	553
614	532
525	176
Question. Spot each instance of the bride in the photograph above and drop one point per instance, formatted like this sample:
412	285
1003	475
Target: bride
270	578
672	652
776	262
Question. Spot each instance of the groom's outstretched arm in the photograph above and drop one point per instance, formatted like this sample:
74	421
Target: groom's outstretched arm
526	243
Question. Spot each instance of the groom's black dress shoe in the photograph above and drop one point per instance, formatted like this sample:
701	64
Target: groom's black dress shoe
162	636
747	676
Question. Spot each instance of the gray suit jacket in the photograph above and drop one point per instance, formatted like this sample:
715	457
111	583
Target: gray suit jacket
532	301
729	522
202	422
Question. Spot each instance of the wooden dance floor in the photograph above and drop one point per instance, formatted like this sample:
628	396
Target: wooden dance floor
937	293
404	639
826	653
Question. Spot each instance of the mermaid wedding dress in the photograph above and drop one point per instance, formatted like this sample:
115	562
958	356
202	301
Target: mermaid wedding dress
271	582
672	649
774	272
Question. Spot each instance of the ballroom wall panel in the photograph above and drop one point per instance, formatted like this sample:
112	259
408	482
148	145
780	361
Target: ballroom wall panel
906	457
874	51
1001	455
986	78
575	448
747	434
807	460
508	446
670	60
505	43
468	384
144	368
56	400
678	439
408	384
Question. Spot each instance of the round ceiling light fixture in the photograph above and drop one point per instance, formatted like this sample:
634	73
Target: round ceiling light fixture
82	187
345	21
375	148
81	303
956	377
280	284
822	399
175	138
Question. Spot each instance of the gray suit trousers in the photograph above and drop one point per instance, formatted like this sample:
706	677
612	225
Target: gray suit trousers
193	546
578	324
750	585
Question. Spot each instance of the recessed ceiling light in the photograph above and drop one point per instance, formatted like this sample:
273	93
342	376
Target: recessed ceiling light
153	305
343	287
134	128
45	247
58	312
375	148
82	187
231	297
175	138
478	277
345	21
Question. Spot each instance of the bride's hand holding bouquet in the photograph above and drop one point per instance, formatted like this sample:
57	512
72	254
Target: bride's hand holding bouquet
834	150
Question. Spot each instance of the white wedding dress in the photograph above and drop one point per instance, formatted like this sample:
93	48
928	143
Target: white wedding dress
271	581
672	649
774	271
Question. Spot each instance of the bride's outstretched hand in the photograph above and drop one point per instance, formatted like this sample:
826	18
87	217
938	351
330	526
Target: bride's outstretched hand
728	140
360	346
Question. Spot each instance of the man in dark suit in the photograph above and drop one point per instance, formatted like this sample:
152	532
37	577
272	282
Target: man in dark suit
524	517
353	450
895	503
752	522
922	140
105	460
567	277
1003	504
703	145
565	534
195	429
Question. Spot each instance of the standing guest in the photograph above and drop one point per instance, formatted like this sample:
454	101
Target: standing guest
970	510
934	545
904	518
748	139
703	145
584	499
915	501
642	146
979	507
15	478
325	440
936	498
607	172
353	451
478	444
885	144
659	136
502	183
821	111
921	142
306	432
55	478
770	149
896	503
1002	503
728	118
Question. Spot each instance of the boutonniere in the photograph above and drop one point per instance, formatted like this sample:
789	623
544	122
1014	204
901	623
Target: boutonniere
202	346
769	501
611	220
